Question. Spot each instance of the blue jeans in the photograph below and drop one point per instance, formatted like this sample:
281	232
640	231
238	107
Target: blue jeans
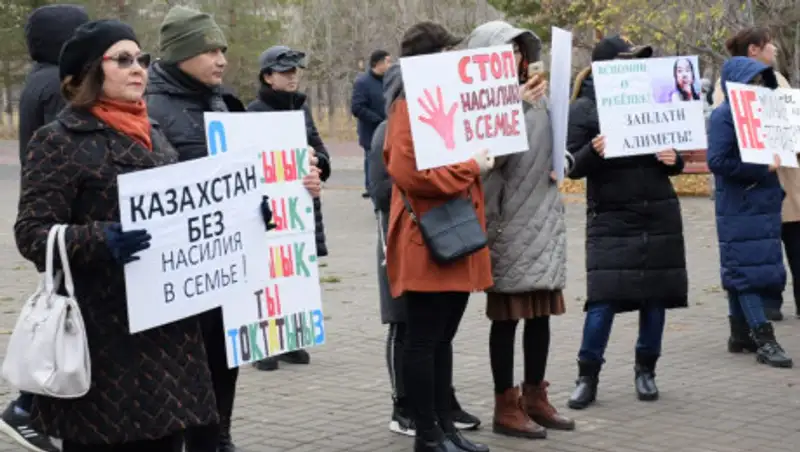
748	306
597	330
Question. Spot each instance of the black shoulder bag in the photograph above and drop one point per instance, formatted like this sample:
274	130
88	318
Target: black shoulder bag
450	231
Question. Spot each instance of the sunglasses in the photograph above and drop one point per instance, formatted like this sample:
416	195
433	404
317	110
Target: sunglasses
125	60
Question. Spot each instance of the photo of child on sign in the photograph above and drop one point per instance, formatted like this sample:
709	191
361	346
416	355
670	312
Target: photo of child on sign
462	102
646	105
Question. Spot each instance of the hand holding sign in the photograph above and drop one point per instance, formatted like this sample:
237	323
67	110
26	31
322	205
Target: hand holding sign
442	122
312	157
484	160
776	163
312	182
668	157
599	145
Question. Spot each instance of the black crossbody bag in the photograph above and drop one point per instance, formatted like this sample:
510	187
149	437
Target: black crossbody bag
450	231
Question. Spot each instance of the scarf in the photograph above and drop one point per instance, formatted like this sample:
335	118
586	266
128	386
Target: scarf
281	100
128	118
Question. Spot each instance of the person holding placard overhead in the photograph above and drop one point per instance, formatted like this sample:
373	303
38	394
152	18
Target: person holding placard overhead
527	240
146	388
436	282
635	257
748	207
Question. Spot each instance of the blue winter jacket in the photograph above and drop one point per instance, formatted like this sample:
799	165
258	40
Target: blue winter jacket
748	198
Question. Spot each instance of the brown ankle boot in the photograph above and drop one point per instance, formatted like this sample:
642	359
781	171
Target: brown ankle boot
510	418
538	408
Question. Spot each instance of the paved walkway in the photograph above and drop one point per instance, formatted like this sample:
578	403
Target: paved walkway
711	401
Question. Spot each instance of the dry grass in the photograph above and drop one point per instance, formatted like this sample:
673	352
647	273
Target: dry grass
340	126
685	185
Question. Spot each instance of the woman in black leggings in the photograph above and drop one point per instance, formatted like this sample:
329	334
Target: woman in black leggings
436	295
393	311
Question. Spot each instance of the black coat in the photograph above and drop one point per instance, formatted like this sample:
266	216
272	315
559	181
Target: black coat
269	100
45	34
144	386
178	102
393	310
634	233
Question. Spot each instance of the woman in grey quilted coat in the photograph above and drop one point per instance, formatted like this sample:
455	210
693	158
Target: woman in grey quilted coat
527	240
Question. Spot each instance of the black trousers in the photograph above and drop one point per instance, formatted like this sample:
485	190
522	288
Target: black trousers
790	233
433	320
172	443
206	438
395	350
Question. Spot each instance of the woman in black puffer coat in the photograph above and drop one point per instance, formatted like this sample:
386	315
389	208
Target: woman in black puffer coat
635	258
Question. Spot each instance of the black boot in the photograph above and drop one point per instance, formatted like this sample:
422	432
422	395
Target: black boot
769	350
585	391
645	380
773	314
465	445
434	442
225	441
740	340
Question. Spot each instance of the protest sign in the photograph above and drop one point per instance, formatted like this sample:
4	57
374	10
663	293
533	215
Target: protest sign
462	102
767	122
204	218
649	105
560	76
282	309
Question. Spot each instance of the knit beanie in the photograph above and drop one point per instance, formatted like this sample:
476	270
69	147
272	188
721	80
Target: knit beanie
88	44
186	33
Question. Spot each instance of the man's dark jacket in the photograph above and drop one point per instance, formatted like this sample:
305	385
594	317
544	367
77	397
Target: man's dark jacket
178	101
270	100
368	106
45	32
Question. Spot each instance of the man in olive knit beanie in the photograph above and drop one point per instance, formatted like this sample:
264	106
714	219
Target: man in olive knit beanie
186	32
183	84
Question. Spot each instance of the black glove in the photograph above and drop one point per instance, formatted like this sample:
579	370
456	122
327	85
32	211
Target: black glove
266	213
124	244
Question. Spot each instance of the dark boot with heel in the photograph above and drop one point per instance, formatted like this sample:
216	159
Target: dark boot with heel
769	350
645	377
585	392
740	340
434	441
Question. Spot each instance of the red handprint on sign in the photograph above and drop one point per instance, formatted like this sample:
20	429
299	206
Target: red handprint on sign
441	121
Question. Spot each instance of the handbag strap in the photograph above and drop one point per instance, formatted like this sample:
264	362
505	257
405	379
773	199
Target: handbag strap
62	252
49	285
408	205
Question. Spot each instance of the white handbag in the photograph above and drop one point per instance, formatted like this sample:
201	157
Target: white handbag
48	353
